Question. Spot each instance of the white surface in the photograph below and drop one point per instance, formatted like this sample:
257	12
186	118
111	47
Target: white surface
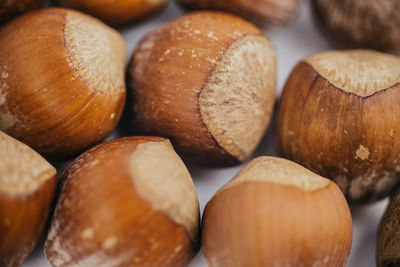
293	42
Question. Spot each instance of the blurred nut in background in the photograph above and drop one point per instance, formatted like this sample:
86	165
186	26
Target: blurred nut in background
11	8
388	243
27	187
277	213
261	12
207	81
117	12
62	85
361	24
338	117
127	202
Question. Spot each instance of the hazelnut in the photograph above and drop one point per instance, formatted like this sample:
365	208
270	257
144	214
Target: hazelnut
388	243
117	12
127	202
207	81
62	84
277	213
336	118
27	187
11	8
361	24
261	12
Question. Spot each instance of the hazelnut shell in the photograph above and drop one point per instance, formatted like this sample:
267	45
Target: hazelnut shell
12	8
261	12
127	202
336	117
27	188
360	24
207	81
62	84
117	12
277	213
388	243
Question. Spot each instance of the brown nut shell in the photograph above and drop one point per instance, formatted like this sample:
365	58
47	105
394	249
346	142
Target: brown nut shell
277	213
336	117
127	202
27	188
261	12
117	12
12	8
361	24
207	81
388	243
62	84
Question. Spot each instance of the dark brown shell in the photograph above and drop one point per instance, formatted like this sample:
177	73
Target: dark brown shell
388	243
361	24
12	8
261	12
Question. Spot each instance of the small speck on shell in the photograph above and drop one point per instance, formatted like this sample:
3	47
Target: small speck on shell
87	233
362	153
109	243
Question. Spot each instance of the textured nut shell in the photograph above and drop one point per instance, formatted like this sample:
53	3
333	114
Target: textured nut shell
237	101
263	222
362	24
174	70
116	12
11	8
161	178
348	137
361	72
388	243
22	170
259	11
281	172
27	187
96	52
108	213
59	111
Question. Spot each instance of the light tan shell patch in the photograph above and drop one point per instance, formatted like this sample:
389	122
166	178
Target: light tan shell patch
22	170
278	171
237	101
161	178
96	51
361	72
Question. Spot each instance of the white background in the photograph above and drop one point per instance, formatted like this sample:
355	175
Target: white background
293	42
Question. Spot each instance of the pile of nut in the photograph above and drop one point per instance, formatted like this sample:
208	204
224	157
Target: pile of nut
204	85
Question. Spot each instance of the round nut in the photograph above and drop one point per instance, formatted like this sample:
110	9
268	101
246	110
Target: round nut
62	85
11	8
261	12
277	213
336	118
117	12
388	243
207	81
127	202
27	188
361	24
